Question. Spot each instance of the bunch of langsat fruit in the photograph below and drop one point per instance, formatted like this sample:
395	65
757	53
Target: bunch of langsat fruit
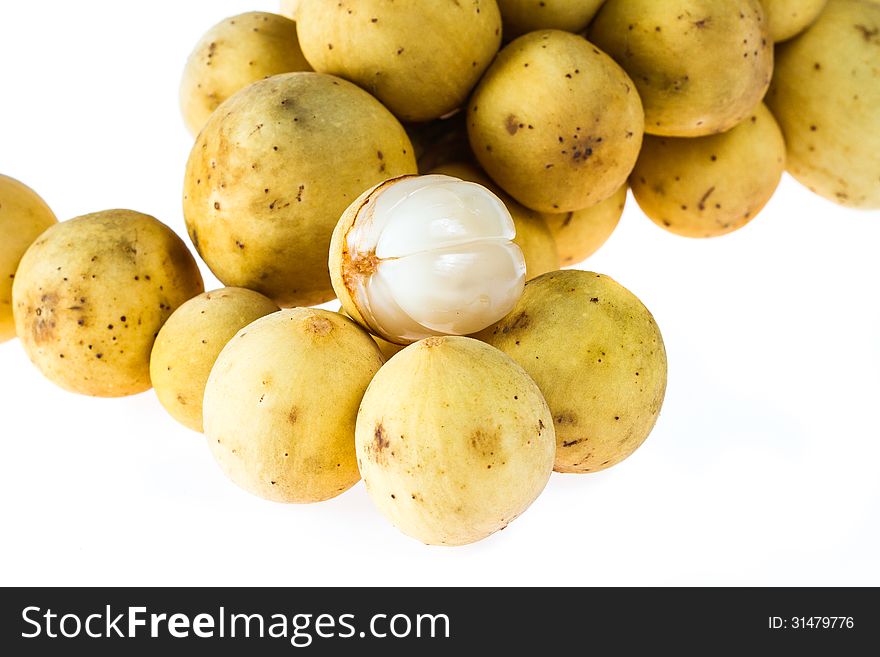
312	136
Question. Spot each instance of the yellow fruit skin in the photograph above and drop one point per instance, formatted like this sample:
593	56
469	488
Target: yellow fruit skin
271	173
521	16
281	403
701	66
289	8
453	440
23	217
555	122
710	186
788	18
92	293
826	97
532	234
231	55
580	234
421	59
597	355
190	341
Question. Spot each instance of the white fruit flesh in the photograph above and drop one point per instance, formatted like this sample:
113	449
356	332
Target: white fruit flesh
433	255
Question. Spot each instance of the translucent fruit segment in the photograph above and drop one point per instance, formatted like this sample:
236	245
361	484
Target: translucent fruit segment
442	215
456	290
388	320
433	255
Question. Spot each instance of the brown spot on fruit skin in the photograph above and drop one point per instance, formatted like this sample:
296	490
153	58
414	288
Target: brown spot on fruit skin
572	443
511	124
292	416
378	449
566	417
43	331
380	441
43	321
487	444
868	34
521	321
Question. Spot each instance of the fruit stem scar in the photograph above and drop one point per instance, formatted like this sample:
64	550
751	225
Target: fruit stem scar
365	264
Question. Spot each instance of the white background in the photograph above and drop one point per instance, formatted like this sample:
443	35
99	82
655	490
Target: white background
763	468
